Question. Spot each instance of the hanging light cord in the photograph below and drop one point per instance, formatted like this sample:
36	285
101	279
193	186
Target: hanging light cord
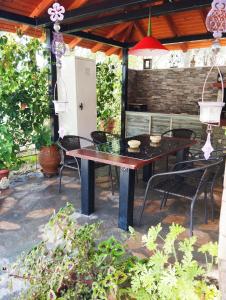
149	23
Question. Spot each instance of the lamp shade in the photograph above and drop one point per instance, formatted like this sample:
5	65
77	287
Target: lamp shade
148	46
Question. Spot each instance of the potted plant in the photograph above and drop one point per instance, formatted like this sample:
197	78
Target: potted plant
6	151
49	156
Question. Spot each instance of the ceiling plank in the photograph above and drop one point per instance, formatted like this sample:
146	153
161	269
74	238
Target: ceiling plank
116	30
140	31
74	42
157	10
93	9
125	36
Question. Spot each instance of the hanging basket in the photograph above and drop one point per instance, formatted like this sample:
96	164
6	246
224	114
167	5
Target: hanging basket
60	106
210	111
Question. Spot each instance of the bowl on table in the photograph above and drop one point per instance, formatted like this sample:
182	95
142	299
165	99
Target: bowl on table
134	144
155	139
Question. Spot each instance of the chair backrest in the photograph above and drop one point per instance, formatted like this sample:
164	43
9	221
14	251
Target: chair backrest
72	142
180	133
99	137
211	172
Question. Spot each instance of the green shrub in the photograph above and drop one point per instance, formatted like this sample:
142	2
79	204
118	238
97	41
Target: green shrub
72	263
42	138
108	91
24	88
7	149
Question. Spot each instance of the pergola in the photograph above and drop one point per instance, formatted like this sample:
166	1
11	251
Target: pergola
112	27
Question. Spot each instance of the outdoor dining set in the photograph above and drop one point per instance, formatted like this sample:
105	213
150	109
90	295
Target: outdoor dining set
191	177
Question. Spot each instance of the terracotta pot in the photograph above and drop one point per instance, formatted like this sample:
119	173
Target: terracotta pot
111	125
49	159
4	173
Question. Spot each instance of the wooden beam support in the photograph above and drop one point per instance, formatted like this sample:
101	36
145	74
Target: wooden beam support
9	16
93	9
74	42
118	29
53	78
99	39
124	91
136	14
39	9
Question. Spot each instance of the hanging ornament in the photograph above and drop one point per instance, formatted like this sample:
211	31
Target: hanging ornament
207	148
58	46
216	18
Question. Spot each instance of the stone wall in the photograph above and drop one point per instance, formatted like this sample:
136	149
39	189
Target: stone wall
171	90
174	91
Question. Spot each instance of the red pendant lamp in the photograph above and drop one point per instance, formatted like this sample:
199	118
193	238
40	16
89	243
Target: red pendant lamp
148	46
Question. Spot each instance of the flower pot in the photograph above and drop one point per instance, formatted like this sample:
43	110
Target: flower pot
60	106
210	112
111	125
49	159
4	173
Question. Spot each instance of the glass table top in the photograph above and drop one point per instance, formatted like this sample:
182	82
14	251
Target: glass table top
147	150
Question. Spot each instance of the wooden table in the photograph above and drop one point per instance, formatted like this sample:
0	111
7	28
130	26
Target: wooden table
118	154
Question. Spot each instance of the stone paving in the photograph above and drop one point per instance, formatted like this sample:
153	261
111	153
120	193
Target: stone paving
31	199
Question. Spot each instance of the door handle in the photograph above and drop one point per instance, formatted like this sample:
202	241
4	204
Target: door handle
81	106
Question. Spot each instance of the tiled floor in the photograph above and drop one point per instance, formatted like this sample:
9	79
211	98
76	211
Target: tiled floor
31	199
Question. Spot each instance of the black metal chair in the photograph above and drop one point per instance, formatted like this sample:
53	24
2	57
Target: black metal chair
101	137
188	180
179	133
70	142
73	142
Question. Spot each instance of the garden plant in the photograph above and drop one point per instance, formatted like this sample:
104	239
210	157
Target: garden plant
24	88
72	262
108	92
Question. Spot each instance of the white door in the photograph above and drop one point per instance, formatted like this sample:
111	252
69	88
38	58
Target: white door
85	70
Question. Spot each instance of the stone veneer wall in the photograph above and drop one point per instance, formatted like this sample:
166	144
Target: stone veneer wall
173	91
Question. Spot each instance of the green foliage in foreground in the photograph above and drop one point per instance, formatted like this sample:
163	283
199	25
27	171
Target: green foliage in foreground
72	263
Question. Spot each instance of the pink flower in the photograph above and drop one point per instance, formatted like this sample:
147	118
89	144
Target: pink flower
56	12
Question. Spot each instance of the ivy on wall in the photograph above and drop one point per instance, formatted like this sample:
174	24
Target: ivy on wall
108	90
24	90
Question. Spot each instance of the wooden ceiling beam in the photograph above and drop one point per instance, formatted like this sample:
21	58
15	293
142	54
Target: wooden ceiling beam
125	36
94	9
99	39
157	10
75	42
40	8
9	16
140	32
116	30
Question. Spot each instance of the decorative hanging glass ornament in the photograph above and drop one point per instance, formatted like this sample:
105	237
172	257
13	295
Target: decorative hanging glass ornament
60	105
216	18
207	148
58	46
210	112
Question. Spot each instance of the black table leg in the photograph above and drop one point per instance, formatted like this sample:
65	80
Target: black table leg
126	198
147	172
87	186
